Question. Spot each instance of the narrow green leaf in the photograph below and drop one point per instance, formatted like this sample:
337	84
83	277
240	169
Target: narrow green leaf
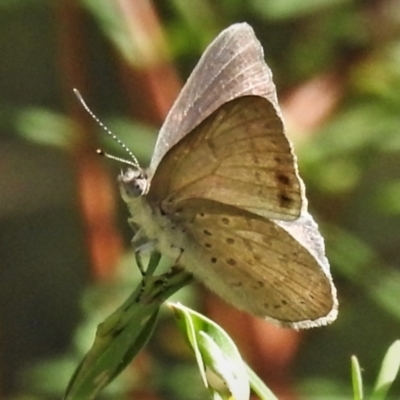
137	48
46	127
186	323
140	342
123	334
220	361
221	373
259	387
356	378
389	370
284	9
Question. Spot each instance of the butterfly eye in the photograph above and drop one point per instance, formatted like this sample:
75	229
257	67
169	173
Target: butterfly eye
134	182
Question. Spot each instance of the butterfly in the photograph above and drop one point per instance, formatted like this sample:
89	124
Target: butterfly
222	196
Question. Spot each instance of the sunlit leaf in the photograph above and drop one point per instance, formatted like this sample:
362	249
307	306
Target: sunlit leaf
46	127
388	372
134	43
259	387
356	379
220	363
123	334
292	8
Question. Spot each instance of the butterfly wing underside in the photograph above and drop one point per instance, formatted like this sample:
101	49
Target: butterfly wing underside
260	266
225	190
232	66
237	156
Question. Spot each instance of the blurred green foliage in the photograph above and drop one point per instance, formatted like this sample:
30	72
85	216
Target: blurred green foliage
350	165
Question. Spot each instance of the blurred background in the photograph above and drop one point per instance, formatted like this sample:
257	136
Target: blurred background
65	255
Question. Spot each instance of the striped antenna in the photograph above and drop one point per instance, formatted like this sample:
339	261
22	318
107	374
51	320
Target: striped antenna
134	162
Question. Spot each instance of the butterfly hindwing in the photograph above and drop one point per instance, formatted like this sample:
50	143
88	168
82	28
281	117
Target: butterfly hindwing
256	265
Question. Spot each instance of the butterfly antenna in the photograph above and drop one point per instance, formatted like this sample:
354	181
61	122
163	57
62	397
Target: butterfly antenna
134	162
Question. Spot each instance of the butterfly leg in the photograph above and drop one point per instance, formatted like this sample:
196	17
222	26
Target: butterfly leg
148	273
141	245
174	268
139	250
139	263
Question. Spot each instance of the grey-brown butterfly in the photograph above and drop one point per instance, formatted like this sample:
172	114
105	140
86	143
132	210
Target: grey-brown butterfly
222	196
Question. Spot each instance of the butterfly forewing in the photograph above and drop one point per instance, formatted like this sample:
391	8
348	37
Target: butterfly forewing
237	156
256	265
232	66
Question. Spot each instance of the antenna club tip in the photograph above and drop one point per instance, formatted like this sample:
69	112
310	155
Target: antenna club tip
78	95
100	152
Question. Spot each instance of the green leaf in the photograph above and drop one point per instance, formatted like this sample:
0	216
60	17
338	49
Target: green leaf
138	48
386	197
114	341
187	324
356	379
221	377
124	333
283	9
221	366
361	265
389	370
46	127
259	387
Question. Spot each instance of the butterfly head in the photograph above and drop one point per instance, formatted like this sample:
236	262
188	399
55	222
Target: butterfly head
133	183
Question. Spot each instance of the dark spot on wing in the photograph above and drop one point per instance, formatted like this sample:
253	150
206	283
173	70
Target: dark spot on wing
257	257
206	232
225	220
208	245
231	261
284	200
230	241
283	179
213	260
